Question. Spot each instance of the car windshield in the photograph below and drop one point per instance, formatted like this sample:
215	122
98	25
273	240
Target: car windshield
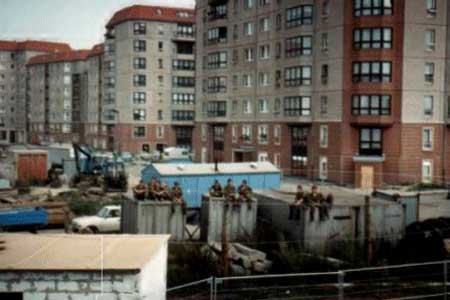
103	213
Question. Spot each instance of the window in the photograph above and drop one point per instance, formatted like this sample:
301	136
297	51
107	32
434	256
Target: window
249	54
323	136
277	134
139	80
372	7
263	137
182	81
139	63
427	139
247	80
217	35
324	74
263	156
297	76
429	72
263	106
277	78
278	22
323	105
217	60
139	28
370	142
235	31
185	30
247	104
427	171
277	159
248	4
139	132
234	106
264	24
217	109
375	71
160	132
297	106
218	11
430	40
299	45
183	99
326	8
139	97
247	133
160	46
183	64
140	45
217	85
263	79
324	42
372	38
183	115
234	130
264	2
428	106
431	7
139	114
323	168
277	106
299	15
248	28
375	105
204	132
160	115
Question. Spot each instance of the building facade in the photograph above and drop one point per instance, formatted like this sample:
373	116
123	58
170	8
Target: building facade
353	92
149	83
13	85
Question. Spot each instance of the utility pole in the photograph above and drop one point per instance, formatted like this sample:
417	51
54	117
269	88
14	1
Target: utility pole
225	262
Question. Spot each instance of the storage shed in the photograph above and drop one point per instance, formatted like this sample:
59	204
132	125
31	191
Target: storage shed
196	179
25	166
83	266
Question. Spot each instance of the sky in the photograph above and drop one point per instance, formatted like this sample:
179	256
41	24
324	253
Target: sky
81	23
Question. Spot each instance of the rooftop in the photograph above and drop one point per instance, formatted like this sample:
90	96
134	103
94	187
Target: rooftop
40	46
27	252
68	56
97	50
152	13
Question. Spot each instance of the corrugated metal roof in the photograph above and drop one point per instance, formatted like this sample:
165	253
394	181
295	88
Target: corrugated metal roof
27	252
224	168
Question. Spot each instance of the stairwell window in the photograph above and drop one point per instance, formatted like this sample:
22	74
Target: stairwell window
429	72
427	171
248	29
428	106
430	40
371	141
264	24
277	134
427	139
323	136
264	52
372	8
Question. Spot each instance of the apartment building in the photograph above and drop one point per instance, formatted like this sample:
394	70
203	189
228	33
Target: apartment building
58	89
149	84
13	84
353	92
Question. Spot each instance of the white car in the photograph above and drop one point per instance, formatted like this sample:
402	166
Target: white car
107	220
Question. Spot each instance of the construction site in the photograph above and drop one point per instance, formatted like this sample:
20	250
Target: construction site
264	227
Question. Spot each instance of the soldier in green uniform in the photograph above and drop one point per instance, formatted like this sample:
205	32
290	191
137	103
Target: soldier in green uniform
153	188
139	191
230	191
294	208
216	190
164	193
177	197
325	207
315	198
245	193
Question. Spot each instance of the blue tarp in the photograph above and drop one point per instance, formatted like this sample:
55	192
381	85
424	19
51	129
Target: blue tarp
23	217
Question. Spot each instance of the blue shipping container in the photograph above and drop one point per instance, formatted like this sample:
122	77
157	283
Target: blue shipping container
196	179
23	217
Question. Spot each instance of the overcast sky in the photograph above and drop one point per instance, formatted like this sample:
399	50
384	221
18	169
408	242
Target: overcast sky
81	23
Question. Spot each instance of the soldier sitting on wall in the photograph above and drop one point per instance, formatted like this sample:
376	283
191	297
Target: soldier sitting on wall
230	191
153	188
177	197
294	208
245	193
314	200
164	193
139	191
325	207
216	190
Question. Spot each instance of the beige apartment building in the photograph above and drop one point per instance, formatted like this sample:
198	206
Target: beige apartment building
348	91
13	85
149	84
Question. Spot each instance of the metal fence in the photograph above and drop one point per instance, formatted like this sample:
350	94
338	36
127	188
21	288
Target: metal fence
400	282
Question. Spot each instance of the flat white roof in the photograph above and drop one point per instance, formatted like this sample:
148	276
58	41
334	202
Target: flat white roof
224	168
70	252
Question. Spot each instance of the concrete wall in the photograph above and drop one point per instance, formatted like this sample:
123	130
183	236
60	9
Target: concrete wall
71	285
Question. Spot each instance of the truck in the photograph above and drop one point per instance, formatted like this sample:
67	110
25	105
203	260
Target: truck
107	220
30	219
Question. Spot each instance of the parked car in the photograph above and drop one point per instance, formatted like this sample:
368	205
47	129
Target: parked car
107	220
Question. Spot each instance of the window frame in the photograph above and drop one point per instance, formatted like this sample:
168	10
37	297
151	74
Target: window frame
359	109
375	147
